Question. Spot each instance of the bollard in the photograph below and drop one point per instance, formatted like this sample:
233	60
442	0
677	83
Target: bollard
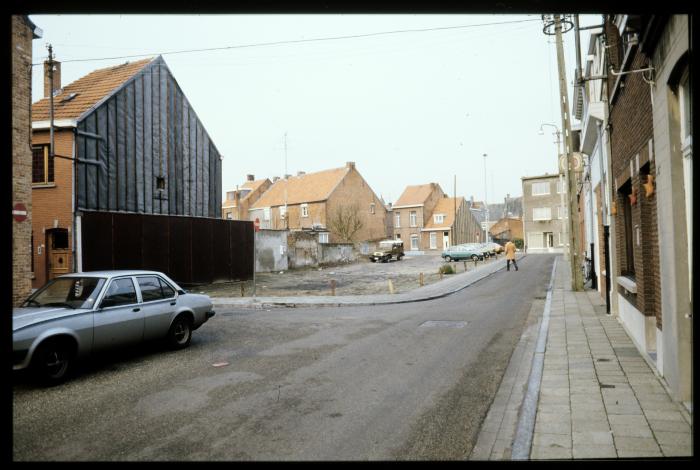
391	287
440	273
475	260
242	290
422	282
465	266
332	286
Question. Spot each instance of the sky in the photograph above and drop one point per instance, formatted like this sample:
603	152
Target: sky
408	107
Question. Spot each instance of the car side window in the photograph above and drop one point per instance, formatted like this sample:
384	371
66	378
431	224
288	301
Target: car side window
168	292
120	292
150	288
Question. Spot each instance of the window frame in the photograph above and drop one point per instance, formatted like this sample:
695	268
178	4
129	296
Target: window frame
535	209
304	210
48	167
323	237
106	290
413	218
440	216
540	184
414	237
397	220
433	240
162	283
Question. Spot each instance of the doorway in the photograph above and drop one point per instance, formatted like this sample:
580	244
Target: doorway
57	253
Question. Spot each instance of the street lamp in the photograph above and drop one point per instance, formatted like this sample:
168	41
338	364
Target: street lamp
486	204
561	181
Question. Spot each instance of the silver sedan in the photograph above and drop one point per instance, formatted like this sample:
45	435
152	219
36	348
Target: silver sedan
75	315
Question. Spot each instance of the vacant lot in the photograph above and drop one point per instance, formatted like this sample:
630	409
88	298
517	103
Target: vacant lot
359	278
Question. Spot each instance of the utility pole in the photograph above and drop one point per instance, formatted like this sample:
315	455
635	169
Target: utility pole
569	171
50	100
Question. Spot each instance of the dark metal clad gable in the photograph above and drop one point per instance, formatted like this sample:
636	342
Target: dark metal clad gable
147	137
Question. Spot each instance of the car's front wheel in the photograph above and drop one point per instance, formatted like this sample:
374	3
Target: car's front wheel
448	258
52	362
475	257
180	333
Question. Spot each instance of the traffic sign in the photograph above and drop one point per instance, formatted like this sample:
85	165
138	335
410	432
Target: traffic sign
19	212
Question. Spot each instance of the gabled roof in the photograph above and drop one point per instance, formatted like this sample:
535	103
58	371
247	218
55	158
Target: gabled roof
415	195
445	205
253	185
309	187
89	90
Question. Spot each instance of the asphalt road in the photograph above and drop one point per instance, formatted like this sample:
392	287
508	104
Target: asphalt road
395	382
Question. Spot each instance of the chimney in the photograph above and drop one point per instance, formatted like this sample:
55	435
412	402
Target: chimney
275	178
56	77
250	177
350	165
300	173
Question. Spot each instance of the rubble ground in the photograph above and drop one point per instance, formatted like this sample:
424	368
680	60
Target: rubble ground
359	278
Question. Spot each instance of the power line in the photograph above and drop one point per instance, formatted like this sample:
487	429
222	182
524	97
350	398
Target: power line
298	41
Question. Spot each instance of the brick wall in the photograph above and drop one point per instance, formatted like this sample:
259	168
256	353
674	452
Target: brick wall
631	130
21	157
52	205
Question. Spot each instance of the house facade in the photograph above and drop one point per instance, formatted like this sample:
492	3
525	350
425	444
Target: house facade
125	140
637	135
238	201
412	212
450	223
23	32
333	203
544	216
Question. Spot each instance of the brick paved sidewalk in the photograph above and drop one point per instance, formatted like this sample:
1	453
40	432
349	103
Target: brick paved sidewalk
598	398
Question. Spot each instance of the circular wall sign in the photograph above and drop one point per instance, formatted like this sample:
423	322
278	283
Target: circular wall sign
19	212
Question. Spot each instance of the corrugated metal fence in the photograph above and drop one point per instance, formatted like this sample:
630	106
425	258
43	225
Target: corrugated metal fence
191	250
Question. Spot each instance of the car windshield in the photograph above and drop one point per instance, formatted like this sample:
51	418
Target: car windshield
71	292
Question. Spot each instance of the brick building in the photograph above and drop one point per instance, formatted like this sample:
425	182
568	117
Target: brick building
507	228
125	140
632	161
23	32
238	202
321	202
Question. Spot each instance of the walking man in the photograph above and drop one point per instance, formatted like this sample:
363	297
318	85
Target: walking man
510	255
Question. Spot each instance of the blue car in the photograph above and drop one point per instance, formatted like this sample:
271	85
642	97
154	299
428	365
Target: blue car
461	252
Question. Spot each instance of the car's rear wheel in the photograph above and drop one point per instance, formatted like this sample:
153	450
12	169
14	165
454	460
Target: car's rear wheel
52	361
475	257
486	255
180	333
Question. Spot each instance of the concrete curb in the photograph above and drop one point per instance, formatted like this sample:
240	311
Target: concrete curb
292	304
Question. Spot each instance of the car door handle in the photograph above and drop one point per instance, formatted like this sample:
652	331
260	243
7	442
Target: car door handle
137	309
173	302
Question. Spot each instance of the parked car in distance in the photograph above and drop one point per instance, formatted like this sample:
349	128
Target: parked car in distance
76	315
495	247
481	248
388	249
461	252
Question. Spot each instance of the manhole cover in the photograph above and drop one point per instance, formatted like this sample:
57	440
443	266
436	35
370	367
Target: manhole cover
444	324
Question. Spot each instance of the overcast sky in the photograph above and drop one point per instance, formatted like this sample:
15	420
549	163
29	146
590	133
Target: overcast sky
407	107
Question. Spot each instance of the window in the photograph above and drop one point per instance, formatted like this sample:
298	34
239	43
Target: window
266	213
160	183
624	192
433	240
561	185
323	237
229	215
42	165
283	212
304	210
414	242
413	219
371	208
540	189
561	212
397	222
398	236
153	288
439	218
542	213
120	292
59	239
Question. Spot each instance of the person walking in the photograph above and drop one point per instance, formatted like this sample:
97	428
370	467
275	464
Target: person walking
510	255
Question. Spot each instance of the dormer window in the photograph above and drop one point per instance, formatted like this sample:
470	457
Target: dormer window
439	218
69	97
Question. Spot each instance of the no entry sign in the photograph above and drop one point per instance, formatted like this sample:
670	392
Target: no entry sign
19	212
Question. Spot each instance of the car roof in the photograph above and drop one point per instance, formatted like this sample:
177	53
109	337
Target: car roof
113	273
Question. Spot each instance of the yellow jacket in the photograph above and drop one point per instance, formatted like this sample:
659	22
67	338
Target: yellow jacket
510	250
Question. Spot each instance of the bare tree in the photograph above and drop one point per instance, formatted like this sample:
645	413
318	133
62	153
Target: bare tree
345	222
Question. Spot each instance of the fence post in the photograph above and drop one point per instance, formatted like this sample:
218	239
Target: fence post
332	286
440	273
242	290
391	287
422	282
465	266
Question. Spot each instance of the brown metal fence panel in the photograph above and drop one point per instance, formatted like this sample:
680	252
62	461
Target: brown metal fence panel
180	252
96	239
191	250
